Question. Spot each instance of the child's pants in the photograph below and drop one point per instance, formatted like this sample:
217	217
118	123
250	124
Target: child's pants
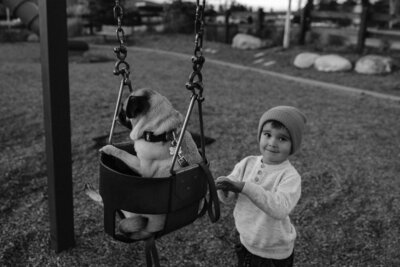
246	259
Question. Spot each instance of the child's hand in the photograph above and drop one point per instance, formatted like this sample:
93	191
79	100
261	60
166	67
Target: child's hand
226	184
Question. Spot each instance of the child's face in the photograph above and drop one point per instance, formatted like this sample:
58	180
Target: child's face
275	144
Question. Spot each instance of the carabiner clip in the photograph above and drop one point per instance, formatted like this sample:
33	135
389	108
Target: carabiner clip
124	71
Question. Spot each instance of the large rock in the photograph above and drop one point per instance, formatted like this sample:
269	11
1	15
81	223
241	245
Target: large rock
305	60
33	37
374	64
332	63
245	41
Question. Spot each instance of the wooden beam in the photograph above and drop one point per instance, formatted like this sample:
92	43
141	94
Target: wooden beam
54	56
383	17
305	21
390	34
362	31
333	15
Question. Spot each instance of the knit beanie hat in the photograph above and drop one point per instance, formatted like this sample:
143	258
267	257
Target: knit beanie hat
292	118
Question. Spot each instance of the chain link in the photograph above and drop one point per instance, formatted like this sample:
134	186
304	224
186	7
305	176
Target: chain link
121	66
199	29
196	78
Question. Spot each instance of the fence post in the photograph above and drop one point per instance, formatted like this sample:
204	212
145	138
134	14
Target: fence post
260	22
286	36
305	21
362	31
227	15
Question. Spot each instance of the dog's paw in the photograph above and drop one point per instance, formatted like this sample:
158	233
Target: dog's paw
109	150
132	224
134	228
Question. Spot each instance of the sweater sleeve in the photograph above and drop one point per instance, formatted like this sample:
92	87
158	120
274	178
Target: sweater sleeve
276	203
235	175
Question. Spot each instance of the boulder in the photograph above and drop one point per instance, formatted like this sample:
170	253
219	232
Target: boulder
245	41
305	60
332	63
33	37
374	64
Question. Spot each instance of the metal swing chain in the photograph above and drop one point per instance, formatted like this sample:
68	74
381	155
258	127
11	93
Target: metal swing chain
198	61
121	66
195	82
198	58
121	51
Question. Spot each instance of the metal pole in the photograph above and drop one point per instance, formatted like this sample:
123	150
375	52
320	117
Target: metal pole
182	133
121	88
54	56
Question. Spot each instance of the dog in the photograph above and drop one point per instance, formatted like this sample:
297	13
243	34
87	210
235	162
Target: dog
155	129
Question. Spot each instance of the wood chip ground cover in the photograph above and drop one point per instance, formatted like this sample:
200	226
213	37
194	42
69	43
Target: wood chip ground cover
349	212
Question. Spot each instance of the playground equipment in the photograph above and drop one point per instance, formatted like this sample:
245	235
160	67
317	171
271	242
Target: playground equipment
54	56
179	195
27	11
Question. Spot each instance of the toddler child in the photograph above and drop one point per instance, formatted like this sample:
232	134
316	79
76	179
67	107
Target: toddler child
266	189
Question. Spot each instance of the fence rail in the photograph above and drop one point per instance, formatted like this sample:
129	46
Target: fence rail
366	17
238	21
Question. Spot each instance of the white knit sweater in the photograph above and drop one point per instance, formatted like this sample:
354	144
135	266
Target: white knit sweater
262	209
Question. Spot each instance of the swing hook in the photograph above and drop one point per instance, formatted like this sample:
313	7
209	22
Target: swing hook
121	52
192	85
122	70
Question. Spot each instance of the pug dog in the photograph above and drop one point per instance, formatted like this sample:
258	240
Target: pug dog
155	129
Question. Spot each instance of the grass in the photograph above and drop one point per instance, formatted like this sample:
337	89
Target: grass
388	84
349	212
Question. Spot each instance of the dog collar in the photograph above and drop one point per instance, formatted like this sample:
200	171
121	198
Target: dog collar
151	137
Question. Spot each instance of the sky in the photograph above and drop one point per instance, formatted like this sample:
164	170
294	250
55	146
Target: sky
265	4
276	5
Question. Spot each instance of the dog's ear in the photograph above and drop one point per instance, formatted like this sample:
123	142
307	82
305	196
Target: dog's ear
122	118
136	105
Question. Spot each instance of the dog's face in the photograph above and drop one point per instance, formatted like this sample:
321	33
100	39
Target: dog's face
150	111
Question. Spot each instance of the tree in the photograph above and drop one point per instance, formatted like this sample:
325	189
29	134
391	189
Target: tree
101	12
179	17
349	5
237	7
329	5
394	11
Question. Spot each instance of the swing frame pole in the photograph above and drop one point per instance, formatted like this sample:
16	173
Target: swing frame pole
54	59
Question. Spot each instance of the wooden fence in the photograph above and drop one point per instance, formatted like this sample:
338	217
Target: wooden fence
234	22
366	17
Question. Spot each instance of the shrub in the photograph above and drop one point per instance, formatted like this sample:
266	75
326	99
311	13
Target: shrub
179	17
13	35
